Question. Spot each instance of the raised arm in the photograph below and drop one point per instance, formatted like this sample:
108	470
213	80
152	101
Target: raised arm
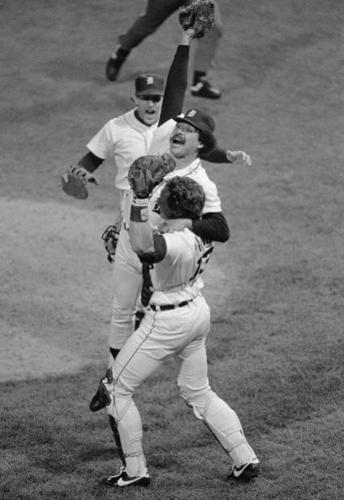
177	80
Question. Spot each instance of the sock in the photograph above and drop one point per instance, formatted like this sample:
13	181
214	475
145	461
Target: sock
198	75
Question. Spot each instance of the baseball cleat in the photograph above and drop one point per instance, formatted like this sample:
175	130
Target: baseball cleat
114	64
204	89
122	479
112	480
246	472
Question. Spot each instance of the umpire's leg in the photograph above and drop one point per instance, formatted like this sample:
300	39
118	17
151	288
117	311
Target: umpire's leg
157	11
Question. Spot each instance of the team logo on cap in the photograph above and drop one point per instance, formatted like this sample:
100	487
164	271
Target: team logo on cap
149	80
191	113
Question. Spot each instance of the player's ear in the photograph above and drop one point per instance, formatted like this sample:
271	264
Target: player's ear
134	100
200	142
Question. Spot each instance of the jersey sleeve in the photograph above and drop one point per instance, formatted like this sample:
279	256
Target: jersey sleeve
175	245
101	144
212	200
160	250
212	227
161	138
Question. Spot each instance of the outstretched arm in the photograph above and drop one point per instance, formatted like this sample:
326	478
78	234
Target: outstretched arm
220	155
177	80
212	227
147	244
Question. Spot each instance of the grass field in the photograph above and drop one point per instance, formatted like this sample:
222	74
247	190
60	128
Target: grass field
276	289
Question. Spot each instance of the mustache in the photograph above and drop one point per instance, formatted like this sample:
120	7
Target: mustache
179	137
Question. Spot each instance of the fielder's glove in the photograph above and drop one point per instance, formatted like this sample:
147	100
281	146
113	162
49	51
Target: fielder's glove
74	182
197	15
147	172
110	238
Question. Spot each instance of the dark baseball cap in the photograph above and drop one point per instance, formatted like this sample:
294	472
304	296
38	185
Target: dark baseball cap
149	84
203	122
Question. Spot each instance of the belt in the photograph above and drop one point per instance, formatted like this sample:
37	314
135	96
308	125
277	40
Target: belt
168	307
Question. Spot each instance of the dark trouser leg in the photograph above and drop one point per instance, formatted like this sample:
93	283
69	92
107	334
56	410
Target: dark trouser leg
157	11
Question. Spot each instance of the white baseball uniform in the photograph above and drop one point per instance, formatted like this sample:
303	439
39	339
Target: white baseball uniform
127	268
120	142
177	322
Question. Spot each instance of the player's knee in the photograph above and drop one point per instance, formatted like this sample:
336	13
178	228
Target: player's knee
119	407
196	398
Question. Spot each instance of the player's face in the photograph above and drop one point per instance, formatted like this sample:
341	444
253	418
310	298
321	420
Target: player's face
184	140
148	108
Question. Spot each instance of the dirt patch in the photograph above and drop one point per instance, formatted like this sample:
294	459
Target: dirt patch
57	288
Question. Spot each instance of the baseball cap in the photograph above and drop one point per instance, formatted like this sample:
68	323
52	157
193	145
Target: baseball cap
149	84
203	122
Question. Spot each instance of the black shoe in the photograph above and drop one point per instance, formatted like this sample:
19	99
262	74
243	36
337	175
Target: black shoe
204	89
112	69
245	472
114	64
122	479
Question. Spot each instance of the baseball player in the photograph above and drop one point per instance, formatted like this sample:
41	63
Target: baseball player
192	132
155	14
187	143
177	322
123	139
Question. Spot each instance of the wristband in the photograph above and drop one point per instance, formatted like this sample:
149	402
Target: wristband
139	210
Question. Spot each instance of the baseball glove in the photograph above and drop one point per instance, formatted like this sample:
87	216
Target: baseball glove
198	15
147	172
110	237
74	182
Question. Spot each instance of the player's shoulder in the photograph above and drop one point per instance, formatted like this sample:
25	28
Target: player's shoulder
180	242
201	176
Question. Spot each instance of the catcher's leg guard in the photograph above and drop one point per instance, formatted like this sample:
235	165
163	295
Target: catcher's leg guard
224	424
117	438
128	423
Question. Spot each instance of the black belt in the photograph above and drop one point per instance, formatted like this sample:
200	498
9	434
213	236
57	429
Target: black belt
167	307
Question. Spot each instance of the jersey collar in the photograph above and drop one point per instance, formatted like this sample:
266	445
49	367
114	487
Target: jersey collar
137	124
184	171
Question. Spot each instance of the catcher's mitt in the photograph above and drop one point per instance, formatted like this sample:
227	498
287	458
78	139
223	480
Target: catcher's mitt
147	172
74	182
198	15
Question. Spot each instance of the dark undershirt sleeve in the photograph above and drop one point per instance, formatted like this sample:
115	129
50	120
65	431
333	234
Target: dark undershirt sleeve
176	84
212	227
160	249
216	155
90	162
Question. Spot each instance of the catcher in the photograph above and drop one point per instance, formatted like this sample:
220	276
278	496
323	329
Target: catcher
177	322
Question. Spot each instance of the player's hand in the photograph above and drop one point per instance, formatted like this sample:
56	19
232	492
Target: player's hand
172	225
240	158
188	36
83	174
74	182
